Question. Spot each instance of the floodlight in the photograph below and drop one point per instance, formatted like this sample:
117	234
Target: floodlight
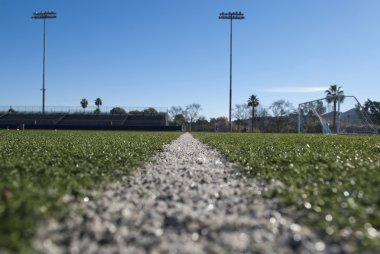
231	16
44	15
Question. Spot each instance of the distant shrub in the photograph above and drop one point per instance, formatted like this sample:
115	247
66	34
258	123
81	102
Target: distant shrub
118	111
150	111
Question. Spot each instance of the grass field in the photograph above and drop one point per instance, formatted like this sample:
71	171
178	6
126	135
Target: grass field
333	180
42	171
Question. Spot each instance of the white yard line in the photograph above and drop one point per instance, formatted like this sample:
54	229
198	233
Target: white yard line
188	199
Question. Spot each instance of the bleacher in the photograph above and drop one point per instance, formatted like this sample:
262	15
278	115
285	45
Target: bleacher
82	121
12	120
92	120
145	120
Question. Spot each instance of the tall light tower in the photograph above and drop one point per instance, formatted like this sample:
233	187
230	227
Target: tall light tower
44	15
231	16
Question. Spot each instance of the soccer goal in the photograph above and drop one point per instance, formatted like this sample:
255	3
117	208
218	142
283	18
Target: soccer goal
334	115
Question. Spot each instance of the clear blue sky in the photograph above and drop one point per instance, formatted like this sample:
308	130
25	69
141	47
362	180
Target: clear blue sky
175	52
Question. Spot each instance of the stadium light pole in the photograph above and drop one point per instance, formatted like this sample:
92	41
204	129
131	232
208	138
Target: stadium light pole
231	16
44	15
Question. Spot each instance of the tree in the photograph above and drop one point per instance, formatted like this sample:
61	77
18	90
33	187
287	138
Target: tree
175	110
118	111
201	124
281	108
135	112
372	108
253	102
262	117
318	105
334	95
84	103
213	120
150	111
202	120
221	123
180	119
98	103
192	112
262	112
240	112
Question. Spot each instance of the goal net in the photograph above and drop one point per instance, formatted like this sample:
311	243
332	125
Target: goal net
334	115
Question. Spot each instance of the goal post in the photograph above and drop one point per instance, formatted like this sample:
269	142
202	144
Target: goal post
342	115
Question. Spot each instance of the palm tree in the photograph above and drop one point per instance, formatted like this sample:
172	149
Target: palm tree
253	102
84	103
334	95
98	102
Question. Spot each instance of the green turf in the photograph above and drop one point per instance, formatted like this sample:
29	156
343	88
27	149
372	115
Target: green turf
333	180
39	170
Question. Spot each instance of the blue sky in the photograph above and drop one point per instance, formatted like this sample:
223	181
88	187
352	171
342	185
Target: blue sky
168	52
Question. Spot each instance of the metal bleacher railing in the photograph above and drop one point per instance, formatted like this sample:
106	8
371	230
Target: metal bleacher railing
76	109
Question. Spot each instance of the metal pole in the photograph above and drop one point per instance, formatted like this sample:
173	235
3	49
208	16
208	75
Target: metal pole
338	122
230	108
44	16
43	71
299	119
231	16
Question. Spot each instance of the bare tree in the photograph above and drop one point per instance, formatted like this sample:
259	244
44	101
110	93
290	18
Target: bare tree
281	108
240	112
174	111
262	112
192	112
